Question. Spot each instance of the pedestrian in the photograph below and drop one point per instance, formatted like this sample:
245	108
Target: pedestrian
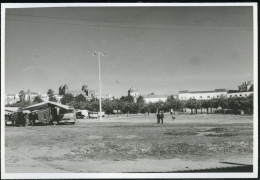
23	119
30	116
171	111
35	117
20	118
158	117
162	116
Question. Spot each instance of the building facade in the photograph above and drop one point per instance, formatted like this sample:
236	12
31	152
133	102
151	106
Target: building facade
246	86
152	98
134	93
244	90
202	95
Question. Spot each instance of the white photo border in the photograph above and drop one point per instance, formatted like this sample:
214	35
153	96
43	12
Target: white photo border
254	174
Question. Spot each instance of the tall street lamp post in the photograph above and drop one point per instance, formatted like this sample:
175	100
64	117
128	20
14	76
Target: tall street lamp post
100	107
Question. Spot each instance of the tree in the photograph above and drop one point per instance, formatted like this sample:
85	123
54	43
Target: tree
234	105
197	106
22	96
215	103
140	103
67	98
129	99
140	100
107	106
211	104
50	93
127	103
80	98
182	105
148	107
205	104
250	103
117	105
191	104
158	105
172	103
37	99
51	96
223	103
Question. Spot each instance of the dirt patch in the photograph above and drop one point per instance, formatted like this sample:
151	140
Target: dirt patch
182	133
133	139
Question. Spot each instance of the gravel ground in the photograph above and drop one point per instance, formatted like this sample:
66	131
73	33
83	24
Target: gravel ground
132	144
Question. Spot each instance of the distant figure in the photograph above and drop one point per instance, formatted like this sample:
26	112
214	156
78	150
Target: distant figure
30	118
20	118
35	117
158	117
162	116
171	111
25	119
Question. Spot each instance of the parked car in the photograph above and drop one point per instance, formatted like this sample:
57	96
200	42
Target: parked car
93	115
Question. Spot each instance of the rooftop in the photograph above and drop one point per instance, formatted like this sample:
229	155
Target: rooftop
155	96
211	91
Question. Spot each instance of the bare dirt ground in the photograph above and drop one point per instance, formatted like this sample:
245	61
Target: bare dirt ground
131	144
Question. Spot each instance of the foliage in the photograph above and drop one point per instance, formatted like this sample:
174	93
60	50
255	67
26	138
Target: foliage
22	96
67	98
52	98
37	99
191	104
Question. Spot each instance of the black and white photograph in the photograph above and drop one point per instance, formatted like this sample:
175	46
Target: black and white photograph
134	90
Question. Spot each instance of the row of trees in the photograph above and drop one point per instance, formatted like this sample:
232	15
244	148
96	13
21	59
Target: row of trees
23	102
126	104
227	105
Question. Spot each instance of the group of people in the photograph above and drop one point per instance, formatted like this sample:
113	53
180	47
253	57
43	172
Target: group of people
23	119
160	117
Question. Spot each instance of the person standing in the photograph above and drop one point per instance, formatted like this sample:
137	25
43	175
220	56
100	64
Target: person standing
162	116
158	117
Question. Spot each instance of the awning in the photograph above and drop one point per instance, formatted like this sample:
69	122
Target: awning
48	103
12	109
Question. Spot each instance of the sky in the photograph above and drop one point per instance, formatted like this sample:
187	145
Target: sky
154	49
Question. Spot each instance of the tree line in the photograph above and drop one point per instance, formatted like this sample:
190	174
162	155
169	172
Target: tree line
127	104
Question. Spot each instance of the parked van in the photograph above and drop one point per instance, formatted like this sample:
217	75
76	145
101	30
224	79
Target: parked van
96	114
81	114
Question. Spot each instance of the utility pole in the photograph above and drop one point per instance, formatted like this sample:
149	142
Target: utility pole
100	106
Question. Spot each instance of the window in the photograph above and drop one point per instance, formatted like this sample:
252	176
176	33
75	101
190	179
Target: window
230	96
208	97
217	96
240	95
245	94
200	97
235	95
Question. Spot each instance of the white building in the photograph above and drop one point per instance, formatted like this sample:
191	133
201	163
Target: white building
44	97
154	98
58	97
239	94
11	99
202	95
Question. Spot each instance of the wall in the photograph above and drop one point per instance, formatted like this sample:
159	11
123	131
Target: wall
201	96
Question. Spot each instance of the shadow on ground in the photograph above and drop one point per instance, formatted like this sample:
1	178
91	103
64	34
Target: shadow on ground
241	168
